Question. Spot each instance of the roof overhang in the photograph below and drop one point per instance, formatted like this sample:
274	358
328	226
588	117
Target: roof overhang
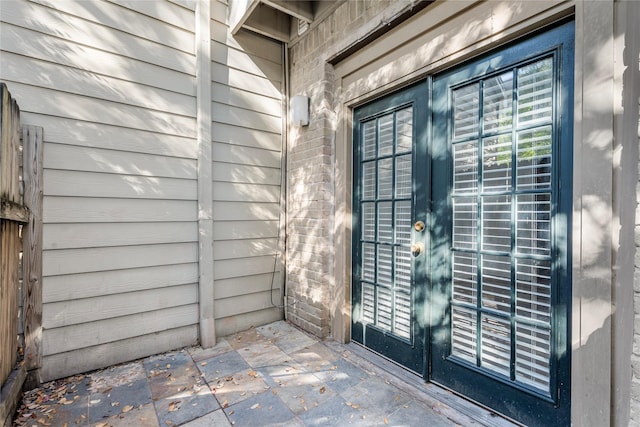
271	18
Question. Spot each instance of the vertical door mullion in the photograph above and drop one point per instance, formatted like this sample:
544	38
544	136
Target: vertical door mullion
480	220
514	219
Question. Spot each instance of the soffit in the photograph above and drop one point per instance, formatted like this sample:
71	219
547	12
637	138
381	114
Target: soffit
271	18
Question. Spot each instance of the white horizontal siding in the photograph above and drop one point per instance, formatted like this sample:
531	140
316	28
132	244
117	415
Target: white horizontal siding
98	332
74	29
86	83
67	131
87	285
113	85
247	142
89	358
65	313
87	235
90	159
47	47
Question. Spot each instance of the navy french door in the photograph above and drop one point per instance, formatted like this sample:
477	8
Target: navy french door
461	227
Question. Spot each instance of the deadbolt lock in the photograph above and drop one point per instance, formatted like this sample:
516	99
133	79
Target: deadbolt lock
419	226
417	248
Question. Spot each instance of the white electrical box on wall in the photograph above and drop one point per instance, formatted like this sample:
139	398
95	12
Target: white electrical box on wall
300	110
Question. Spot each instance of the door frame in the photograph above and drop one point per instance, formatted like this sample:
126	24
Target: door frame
419	47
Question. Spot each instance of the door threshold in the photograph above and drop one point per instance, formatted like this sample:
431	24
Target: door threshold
453	406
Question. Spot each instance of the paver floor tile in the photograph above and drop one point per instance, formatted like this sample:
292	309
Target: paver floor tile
199	354
171	374
316	357
375	396
242	339
213	419
185	406
238	386
413	413
287	375
142	416
302	398
334	412
105	402
222	366
263	410
286	336
263	354
341	375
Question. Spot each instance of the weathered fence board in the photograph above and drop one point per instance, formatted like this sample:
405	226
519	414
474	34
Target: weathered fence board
9	232
32	152
21	153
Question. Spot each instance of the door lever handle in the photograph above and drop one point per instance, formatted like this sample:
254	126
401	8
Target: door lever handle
417	248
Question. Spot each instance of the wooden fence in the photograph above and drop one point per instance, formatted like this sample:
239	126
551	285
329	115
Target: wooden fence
21	150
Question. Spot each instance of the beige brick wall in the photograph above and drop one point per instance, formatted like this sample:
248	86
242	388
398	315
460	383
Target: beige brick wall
310	161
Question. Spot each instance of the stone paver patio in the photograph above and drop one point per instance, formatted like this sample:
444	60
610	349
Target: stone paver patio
273	375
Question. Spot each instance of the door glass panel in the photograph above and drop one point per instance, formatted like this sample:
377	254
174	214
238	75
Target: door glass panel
533	290
465	164
534	224
368	221
385	178
384	308
464	277
386	212
368	141
502	193
466	115
385	222
534	158
368	302
465	222
385	139
496	344
404	130
369	261
497	95
403	176
403	268
385	265
496	283
496	163
535	93
533	355
369	181
402	224
496	223
402	318
463	339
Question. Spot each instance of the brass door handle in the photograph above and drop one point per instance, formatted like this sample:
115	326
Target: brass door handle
417	248
419	226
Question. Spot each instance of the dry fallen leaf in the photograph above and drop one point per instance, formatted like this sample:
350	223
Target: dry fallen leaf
203	363
322	389
174	406
127	408
255	406
253	374
225	404
386	421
